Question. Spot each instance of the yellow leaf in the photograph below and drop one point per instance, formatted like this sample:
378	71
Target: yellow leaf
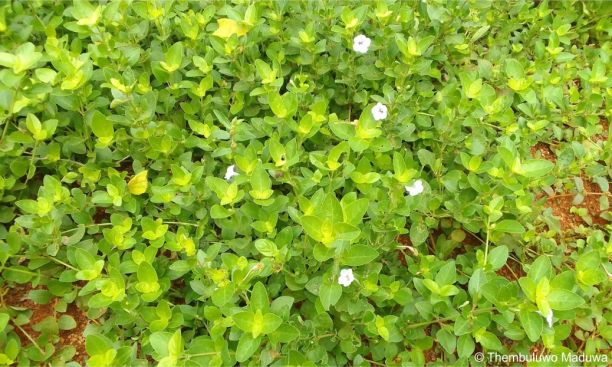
227	27
138	184
92	19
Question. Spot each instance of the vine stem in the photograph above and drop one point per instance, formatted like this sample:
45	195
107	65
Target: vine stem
61	263
32	160
189	356
324	336
34	343
87	226
110	224
425	323
583	193
2	268
182	223
8	118
487	241
374	362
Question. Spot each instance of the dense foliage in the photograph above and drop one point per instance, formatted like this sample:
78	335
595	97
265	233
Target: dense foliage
304	182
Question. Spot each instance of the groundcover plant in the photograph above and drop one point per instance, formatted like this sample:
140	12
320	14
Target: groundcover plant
304	183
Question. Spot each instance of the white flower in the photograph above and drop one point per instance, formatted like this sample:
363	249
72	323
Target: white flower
361	44
379	112
549	318
415	189
230	172
346	277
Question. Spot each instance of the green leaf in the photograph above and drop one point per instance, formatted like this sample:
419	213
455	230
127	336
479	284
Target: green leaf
271	322
285	334
474	88
447	274
266	73
89	267
418	233
312	226
223	295
173	58
24	58
354	211
256	322
266	247
35	127
153	229
102	128
175	345
247	346
509	226
541	296
260	183
490	341
536	168
259	298
477	281
540	268
563	300
4	318
246	321
498	257
358	255
138	184
329	294
160	342
514	69
532	324
283	106
447	340
147	277
66	322
465	346
331	210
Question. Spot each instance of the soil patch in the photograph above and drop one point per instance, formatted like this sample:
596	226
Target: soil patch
542	150
606	128
561	205
512	270
17	296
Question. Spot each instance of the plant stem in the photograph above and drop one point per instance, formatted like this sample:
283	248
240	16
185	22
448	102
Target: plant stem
324	336
87	226
61	263
30	339
189	356
425	323
487	241
32	160
18	270
374	362
182	223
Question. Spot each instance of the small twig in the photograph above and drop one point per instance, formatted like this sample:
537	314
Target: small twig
414	251
374	362
580	193
433	243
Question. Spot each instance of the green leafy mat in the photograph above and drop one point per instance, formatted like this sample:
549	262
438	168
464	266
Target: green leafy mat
304	183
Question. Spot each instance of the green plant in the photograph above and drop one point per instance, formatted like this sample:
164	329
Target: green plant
303	183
